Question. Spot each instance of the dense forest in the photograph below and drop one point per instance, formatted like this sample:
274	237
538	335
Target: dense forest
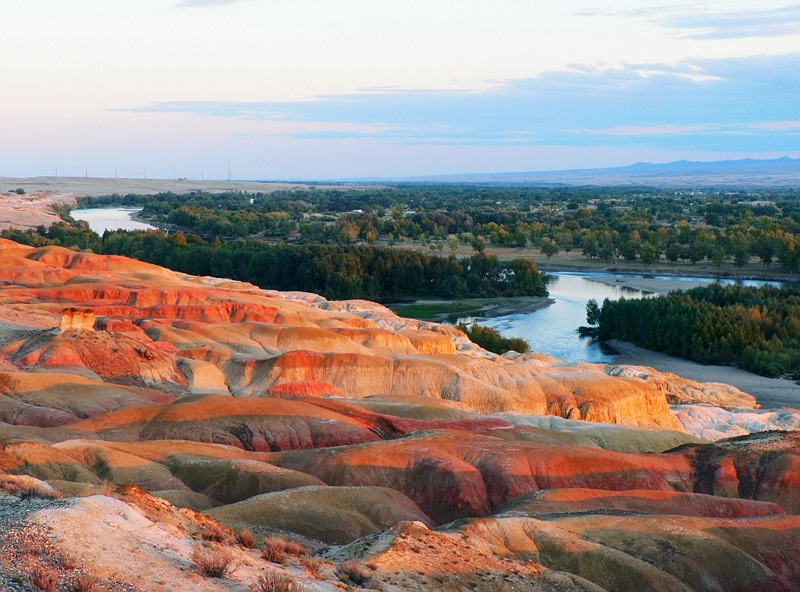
603	224
336	272
757	329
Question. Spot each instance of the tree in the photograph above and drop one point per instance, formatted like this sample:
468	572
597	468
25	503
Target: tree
479	244
648	254
549	248
592	312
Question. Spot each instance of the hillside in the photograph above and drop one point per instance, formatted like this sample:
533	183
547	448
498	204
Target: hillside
148	416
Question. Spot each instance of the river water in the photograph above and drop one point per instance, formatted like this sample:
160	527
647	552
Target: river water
102	219
553	330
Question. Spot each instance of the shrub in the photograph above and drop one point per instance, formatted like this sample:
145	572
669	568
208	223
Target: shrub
213	532
45	577
274	549
312	564
355	574
246	538
212	562
491	340
84	583
39	493
275	582
296	549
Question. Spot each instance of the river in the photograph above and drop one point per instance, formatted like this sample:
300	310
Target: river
553	330
102	219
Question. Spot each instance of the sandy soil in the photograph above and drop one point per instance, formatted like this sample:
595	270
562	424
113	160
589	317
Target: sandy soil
771	393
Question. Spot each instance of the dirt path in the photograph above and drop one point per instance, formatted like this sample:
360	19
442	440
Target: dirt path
771	393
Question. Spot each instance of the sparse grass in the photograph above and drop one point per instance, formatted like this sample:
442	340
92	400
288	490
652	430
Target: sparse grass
213	562
44	577
246	538
355	574
435	309
275	582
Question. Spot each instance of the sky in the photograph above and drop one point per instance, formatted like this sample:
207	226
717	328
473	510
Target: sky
338	89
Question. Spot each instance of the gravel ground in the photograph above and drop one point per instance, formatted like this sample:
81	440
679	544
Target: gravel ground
24	545
16	539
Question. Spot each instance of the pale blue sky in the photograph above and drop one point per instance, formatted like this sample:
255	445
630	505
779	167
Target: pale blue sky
353	88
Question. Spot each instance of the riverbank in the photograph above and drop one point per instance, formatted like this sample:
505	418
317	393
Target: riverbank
662	285
771	393
442	310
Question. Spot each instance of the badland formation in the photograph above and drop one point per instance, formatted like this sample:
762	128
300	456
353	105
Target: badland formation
152	420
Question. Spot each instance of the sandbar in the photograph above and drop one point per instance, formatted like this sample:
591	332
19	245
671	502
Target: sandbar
771	393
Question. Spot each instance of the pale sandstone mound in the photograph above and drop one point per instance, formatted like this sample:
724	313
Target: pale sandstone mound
77	319
714	423
682	391
333	515
142	543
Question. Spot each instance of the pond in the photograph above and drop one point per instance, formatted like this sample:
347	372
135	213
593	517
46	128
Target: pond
102	219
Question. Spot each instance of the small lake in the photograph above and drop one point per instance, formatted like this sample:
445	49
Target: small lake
552	330
102	219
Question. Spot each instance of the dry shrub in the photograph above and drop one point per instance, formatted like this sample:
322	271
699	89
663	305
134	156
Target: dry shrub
296	549
213	532
45	577
84	583
313	565
213	562
246	538
274	549
275	582
355	574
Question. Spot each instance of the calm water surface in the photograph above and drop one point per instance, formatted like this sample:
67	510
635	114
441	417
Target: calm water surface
553	330
102	219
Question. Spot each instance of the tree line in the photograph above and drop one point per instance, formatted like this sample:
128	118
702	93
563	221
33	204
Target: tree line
607	224
336	272
757	329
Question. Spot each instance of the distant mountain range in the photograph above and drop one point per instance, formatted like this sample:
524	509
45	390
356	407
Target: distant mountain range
779	172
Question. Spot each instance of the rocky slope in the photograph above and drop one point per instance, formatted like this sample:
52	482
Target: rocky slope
393	443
